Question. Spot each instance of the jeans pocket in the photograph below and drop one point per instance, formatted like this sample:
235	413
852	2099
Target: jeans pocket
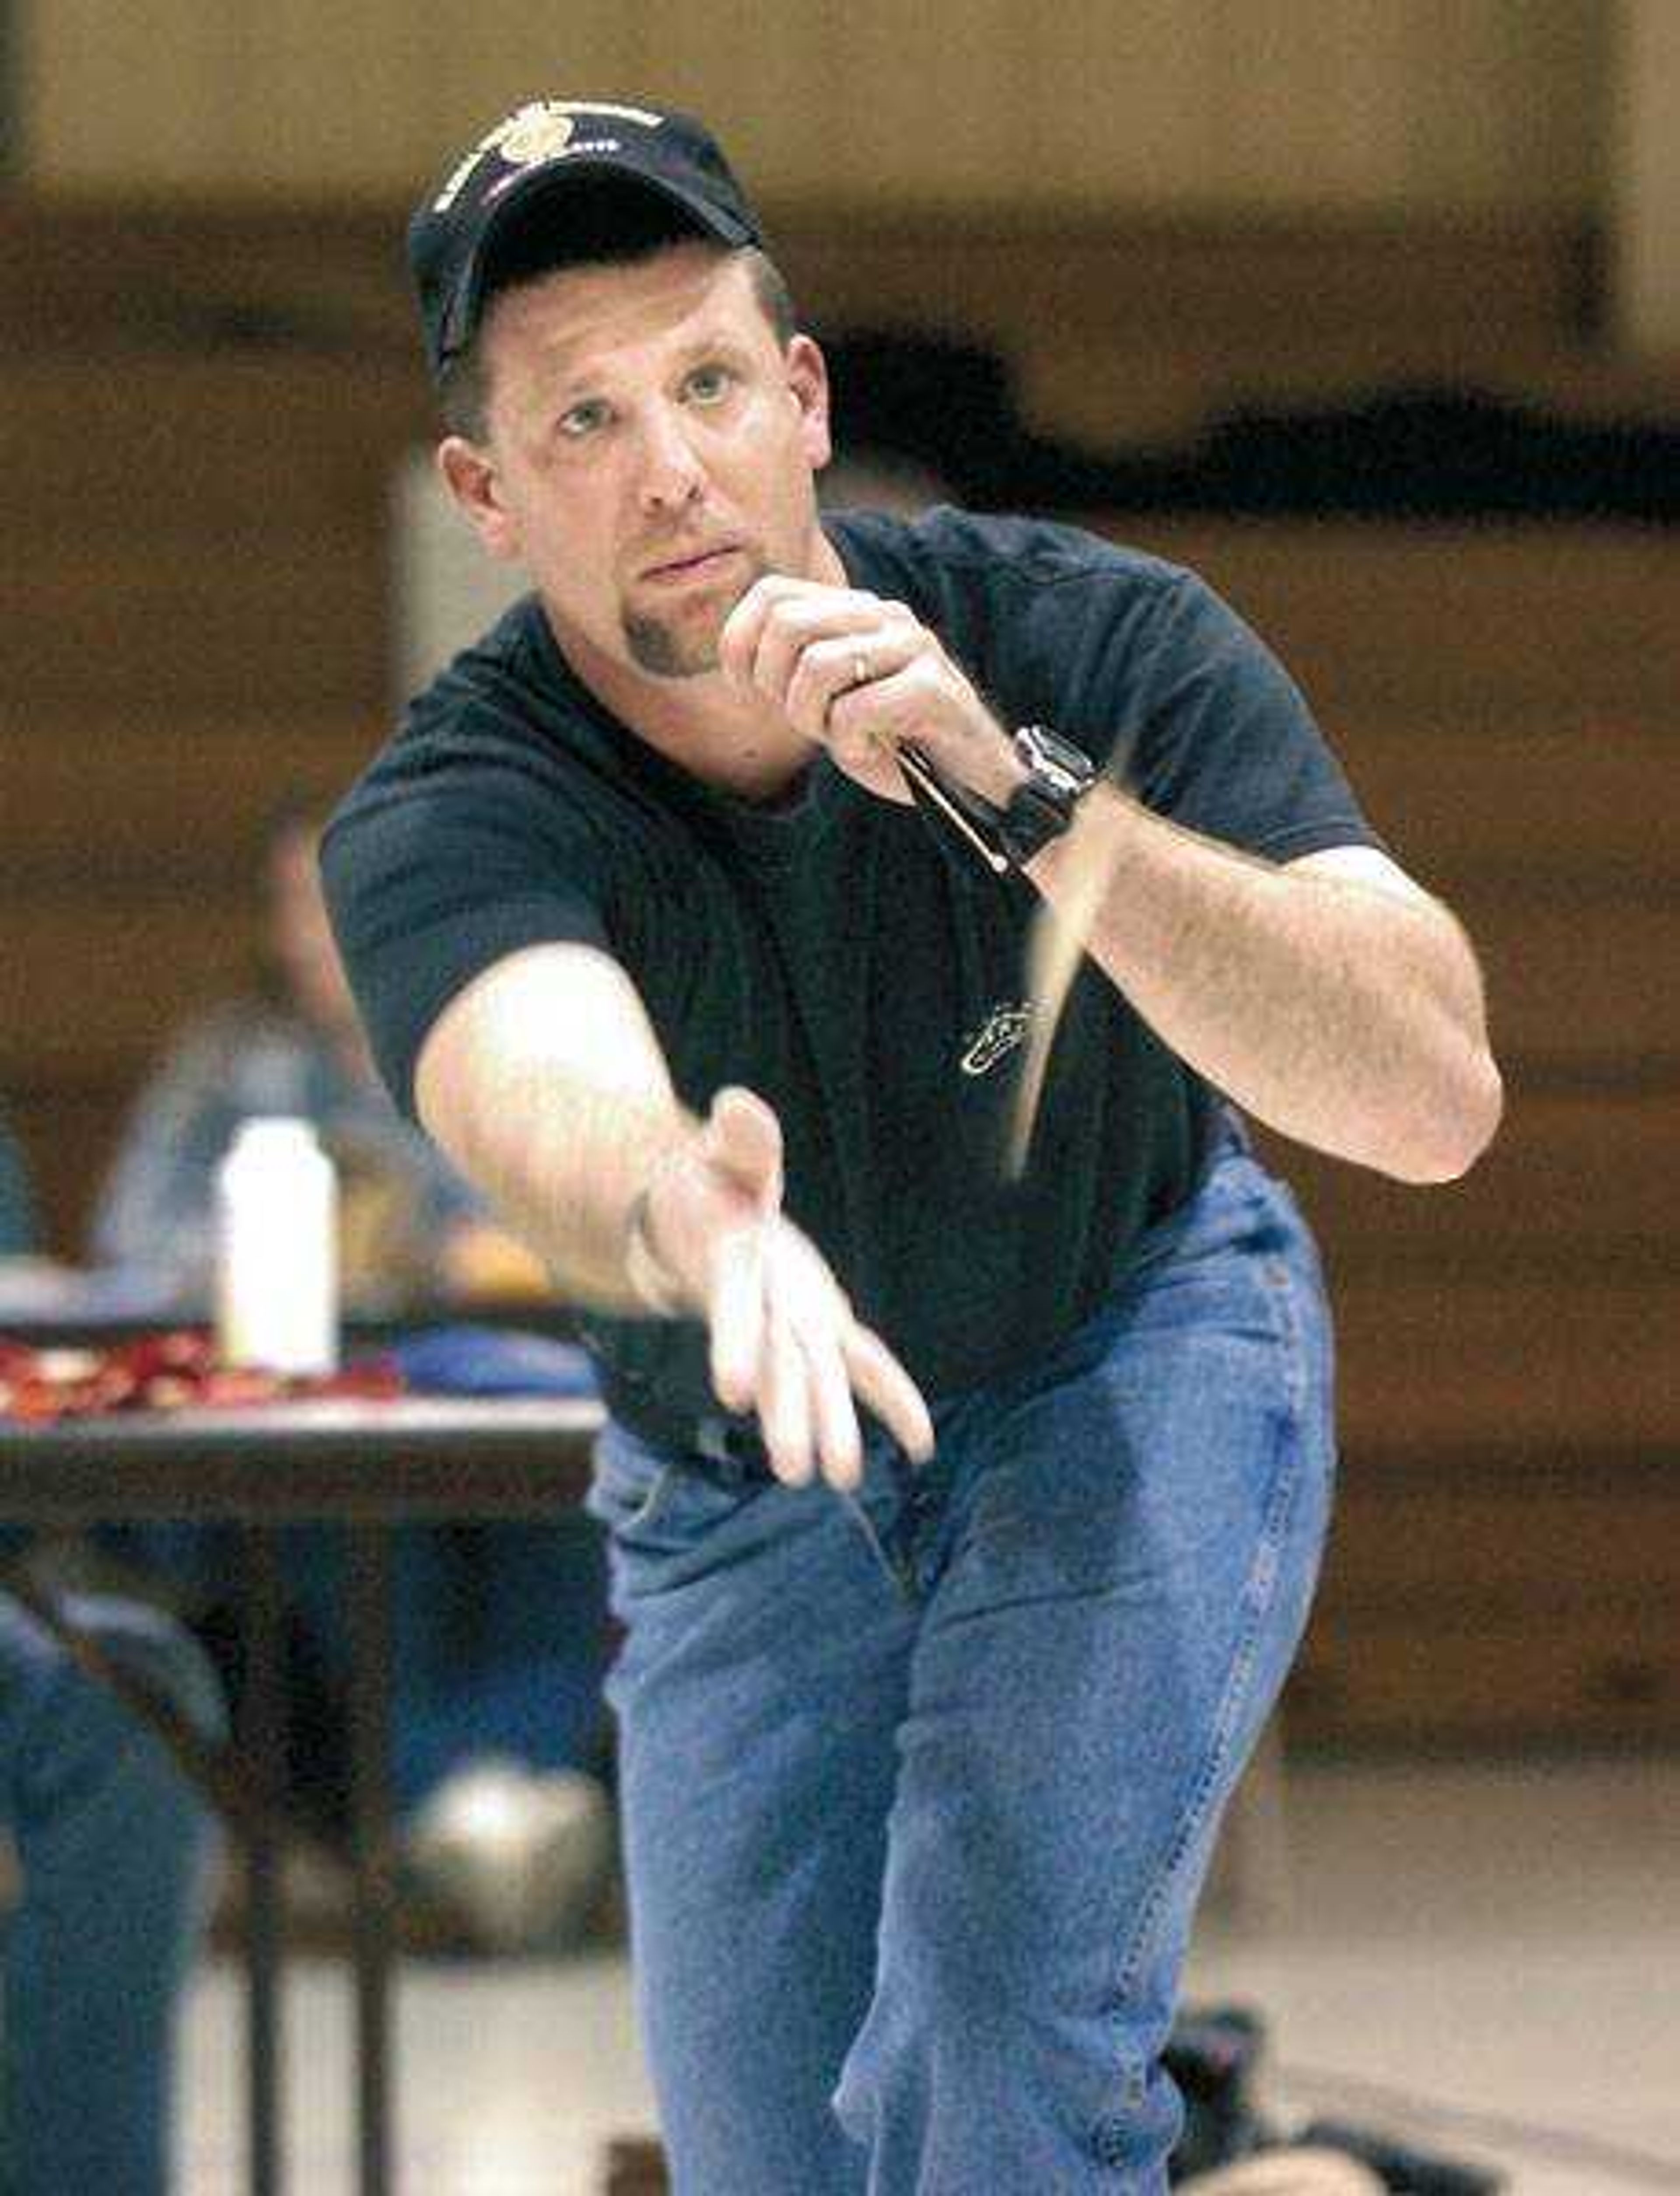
657	1507
627	1483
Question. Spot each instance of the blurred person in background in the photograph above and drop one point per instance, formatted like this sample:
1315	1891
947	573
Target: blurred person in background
411	1229
17	1211
500	1627
110	1846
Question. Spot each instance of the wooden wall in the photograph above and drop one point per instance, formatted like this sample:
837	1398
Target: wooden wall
1506	1561
1642	177
1257	104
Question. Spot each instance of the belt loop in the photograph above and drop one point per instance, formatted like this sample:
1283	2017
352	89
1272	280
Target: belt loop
711	1440
1235	1131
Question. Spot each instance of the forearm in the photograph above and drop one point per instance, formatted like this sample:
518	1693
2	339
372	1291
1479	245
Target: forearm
548	1090
1345	1015
561	1165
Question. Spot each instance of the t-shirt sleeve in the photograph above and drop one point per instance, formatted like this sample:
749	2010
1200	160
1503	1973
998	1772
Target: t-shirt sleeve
1217	736
427	889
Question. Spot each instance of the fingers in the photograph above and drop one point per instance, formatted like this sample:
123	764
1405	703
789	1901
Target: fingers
834	1419
832	670
801	645
892	705
785	1404
785	1343
876	1376
858	674
777	615
808	652
737	1316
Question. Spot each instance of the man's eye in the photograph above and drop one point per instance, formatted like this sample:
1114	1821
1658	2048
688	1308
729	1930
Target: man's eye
709	382
582	419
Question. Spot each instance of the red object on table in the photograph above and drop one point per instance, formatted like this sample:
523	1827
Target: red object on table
175	1370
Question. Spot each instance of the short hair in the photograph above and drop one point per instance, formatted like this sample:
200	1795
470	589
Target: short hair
607	225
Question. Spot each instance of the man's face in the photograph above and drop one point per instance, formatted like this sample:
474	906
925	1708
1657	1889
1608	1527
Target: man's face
650	453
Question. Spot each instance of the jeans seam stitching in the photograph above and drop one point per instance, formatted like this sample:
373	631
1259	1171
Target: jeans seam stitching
1259	1590
1280	1287
899	1580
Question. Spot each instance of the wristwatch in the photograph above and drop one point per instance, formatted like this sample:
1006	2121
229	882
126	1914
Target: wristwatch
1041	808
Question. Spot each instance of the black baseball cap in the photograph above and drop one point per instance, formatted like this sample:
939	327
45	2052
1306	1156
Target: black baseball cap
533	156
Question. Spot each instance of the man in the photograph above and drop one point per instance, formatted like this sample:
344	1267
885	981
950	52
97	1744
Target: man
667	914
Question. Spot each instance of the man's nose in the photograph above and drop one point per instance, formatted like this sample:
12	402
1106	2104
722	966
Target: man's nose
670	474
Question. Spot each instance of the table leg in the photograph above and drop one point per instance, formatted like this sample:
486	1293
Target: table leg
372	1848
262	1730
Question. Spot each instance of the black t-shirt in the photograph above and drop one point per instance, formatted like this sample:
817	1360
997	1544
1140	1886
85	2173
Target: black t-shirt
859	969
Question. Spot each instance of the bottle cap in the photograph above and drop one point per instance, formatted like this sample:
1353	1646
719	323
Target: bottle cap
275	1132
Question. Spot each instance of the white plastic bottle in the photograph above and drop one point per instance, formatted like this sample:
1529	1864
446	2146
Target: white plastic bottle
277	1277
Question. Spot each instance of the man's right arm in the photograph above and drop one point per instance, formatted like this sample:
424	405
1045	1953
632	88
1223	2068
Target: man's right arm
544	1082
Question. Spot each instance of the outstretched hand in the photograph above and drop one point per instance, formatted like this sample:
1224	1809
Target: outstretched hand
785	1340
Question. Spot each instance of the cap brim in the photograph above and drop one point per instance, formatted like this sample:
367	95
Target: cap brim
516	202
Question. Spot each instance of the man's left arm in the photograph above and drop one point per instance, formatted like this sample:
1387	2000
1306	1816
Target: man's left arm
1331	997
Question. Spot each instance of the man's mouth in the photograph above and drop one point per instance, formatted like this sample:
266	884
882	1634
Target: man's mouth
698	564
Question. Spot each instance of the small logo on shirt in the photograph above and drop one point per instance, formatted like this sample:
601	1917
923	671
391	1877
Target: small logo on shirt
1005	1028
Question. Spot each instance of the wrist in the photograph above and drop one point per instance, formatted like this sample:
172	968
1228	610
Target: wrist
998	771
654	1285
1107	814
649	1271
981	760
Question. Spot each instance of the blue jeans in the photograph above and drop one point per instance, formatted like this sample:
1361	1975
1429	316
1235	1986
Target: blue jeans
920	1786
113	1846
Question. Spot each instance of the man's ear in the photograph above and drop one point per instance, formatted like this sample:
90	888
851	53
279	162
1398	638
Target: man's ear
469	474
808	383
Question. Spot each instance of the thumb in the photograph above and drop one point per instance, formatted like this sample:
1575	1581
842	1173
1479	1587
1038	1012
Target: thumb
743	1140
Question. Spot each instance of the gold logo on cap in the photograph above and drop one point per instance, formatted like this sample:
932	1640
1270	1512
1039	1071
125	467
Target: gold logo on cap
537	133
540	131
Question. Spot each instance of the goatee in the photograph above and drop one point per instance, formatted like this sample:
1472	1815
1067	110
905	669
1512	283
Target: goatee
664	647
655	647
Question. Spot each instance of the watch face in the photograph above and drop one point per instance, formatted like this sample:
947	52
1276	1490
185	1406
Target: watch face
1070	768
